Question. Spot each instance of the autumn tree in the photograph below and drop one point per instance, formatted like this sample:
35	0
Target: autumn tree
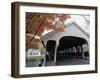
37	23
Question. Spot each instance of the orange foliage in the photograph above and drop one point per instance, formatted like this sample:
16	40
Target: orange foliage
36	23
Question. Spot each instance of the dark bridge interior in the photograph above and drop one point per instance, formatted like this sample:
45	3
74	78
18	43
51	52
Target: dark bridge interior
69	46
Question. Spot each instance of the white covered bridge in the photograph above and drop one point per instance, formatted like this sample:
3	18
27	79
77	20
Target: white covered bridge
77	26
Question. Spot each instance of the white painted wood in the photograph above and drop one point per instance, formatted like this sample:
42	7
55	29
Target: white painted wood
73	29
